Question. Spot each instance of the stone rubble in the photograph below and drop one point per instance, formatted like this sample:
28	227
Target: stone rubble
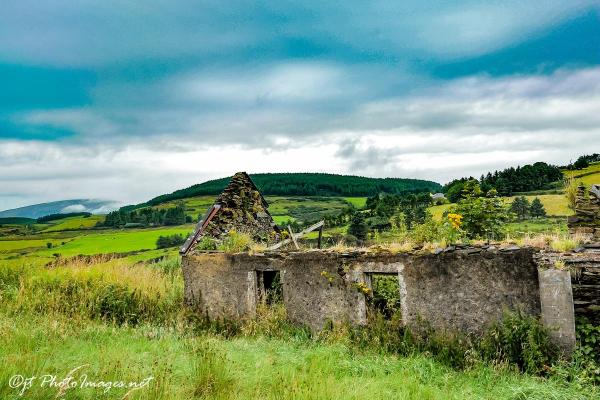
586	220
242	209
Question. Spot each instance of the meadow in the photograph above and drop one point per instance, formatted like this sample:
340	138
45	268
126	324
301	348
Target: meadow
46	246
114	321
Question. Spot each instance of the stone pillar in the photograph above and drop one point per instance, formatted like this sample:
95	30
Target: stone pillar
556	301
358	276
251	293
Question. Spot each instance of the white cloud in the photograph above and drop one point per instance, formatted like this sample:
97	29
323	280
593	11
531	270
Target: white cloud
74	208
465	127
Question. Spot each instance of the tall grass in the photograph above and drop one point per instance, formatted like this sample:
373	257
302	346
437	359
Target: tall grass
113	291
570	186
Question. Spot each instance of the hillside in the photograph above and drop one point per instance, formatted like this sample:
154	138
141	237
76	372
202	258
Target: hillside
304	184
60	207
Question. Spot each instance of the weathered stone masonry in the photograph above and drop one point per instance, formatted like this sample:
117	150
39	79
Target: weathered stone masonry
586	220
462	290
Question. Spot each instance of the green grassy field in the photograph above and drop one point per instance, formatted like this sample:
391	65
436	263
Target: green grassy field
183	366
587	176
15	250
73	223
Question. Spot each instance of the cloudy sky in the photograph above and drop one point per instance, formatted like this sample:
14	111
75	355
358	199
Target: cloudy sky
126	100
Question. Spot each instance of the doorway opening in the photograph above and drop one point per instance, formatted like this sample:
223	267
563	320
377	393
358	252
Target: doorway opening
270	290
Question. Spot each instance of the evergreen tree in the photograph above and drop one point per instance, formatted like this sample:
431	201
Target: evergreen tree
537	209
358	227
521	207
581	163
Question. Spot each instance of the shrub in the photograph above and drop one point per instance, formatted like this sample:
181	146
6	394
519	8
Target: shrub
428	232
570	186
358	227
588	351
520	340
235	242
483	217
206	243
164	242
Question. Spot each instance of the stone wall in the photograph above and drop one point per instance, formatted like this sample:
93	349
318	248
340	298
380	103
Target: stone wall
586	220
461	290
584	268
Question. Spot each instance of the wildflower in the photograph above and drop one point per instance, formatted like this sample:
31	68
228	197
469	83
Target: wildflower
455	220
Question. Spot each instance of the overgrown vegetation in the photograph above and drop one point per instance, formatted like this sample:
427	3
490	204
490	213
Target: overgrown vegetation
235	242
164	242
131	317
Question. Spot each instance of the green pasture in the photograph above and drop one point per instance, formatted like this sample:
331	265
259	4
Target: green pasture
555	205
587	176
73	223
537	226
358	202
282	208
34	249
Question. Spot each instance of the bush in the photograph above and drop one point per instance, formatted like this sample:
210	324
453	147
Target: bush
522	341
587	355
358	227
206	243
164	242
429	231
235	242
482	217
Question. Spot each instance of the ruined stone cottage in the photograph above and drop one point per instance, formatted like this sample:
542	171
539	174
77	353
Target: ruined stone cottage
456	289
586	220
239	207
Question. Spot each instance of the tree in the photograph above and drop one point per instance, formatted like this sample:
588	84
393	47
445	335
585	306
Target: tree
358	227
482	217
164	242
581	163
537	209
521	207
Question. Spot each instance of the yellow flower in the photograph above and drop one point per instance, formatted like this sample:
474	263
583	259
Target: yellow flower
455	220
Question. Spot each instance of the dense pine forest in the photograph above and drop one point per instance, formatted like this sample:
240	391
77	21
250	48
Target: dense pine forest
305	184
509	181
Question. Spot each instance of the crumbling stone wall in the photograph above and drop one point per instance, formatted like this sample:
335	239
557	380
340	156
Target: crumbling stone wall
584	268
457	290
243	208
587	212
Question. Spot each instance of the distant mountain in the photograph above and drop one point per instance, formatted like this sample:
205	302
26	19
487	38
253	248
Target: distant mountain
61	207
304	184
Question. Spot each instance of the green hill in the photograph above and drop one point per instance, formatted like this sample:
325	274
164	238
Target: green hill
304	184
16	221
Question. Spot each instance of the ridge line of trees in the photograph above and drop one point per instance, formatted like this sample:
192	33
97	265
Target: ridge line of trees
304	184
527	178
147	217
